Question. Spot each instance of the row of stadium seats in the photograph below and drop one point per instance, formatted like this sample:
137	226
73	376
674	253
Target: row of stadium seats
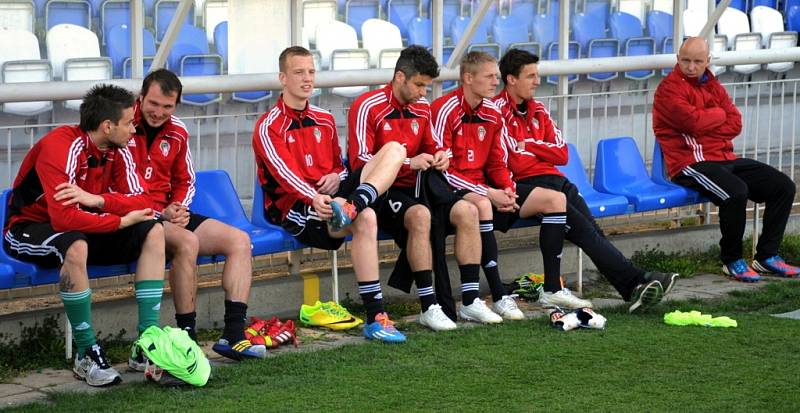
622	185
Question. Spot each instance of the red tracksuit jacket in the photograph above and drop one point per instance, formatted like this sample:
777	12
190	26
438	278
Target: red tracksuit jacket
538	142
166	165
476	139
694	120
66	154
377	117
293	151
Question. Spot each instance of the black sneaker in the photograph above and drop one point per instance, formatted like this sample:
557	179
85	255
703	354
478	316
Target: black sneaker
646	295
666	279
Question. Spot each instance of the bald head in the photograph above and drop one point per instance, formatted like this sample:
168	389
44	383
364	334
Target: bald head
694	57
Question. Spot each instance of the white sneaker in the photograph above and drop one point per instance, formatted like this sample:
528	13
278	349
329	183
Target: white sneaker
562	298
507	308
478	311
435	319
95	369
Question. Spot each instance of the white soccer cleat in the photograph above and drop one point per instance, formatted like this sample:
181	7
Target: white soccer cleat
562	298
479	312
564	321
507	308
95	369
590	319
435	319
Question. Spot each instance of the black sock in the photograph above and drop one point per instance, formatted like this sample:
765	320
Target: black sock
551	242
489	260
187	322
424	281
363	196
370	292
235	316
470	285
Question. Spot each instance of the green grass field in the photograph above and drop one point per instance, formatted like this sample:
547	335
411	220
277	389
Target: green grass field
637	364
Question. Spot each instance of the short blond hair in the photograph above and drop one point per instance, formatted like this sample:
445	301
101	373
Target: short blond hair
473	60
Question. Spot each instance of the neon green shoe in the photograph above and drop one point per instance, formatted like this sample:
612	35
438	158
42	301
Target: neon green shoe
329	315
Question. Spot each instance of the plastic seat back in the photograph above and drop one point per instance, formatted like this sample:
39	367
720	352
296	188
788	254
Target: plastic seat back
190	41
768	3
600	9
659	25
720	45
216	197
552	54
663	6
214	13
314	13
68	41
165	10
77	12
732	23
114	13
544	29
510	29
793	18
350	59
420	32
459	26
693	21
636	8
20	61
619	166
628	30
401	12
334	35
590	34
118	47
766	21
601	204
221	40
19	14
359	11
379	35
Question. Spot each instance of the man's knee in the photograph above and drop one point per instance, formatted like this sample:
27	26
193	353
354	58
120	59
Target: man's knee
366	224
464	213
77	253
240	241
155	237
484	206
183	243
552	201
417	219
395	150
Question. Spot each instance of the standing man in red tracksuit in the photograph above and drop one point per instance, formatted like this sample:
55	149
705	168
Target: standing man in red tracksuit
77	200
160	147
308	191
695	123
399	112
540	147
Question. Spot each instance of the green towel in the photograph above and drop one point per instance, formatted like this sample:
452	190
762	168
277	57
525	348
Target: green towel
696	318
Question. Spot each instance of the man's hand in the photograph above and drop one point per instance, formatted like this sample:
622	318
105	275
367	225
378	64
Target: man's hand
441	161
321	204
135	217
501	200
177	214
73	194
421	162
328	184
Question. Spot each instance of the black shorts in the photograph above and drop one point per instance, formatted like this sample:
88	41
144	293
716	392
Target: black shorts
39	243
195	220
503	221
392	211
304	224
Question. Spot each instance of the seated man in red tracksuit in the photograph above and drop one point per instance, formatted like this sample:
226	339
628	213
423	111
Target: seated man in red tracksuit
77	200
473	129
540	147
160	147
695	123
399	112
310	194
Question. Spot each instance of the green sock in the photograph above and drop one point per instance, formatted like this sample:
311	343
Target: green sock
78	306
148	298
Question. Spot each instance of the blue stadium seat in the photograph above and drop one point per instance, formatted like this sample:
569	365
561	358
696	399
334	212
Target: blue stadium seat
77	12
552	54
356	12
164	10
459	26
659	25
258	218
27	272
793	19
216	197
667	50
221	41
401	12
738	4
510	29
490	48
119	46
601	204
544	29
600	10
190	57
127	67
628	30
8	277
450	10
525	9
769	3
788	4
420	31
620	170
447	85
589	32
114	13
659	174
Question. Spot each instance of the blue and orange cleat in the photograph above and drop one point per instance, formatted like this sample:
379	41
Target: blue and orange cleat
740	271
239	351
343	215
382	329
776	266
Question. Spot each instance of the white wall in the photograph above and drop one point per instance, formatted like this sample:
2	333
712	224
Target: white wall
258	30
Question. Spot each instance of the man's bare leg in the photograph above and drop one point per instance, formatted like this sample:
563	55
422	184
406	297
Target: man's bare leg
182	248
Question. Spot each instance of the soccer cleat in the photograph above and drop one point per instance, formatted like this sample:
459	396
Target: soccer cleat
646	295
382	329
343	215
435	319
158	375
563	321
740	271
777	266
137	360
589	319
239	351
507	308
479	312
666	279
562	298
329	315
526	286
271	333
95	369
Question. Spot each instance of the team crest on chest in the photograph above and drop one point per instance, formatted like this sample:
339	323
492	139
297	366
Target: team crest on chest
481	133
535	123
164	146
414	126
317	134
